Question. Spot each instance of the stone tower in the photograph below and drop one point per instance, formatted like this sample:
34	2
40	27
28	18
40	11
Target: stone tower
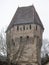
24	37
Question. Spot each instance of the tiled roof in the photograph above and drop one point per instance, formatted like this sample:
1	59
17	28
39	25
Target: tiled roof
25	15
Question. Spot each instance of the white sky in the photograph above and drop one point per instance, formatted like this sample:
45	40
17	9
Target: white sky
8	8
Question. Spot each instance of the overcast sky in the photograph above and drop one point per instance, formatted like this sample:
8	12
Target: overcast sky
8	8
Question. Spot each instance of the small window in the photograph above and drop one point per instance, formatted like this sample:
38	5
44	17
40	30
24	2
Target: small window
30	26
36	27
26	28
23	27
17	28
13	42
20	38
27	37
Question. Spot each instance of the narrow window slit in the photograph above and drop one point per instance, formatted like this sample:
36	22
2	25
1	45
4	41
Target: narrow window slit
36	27
20	38
30	26
23	27
17	28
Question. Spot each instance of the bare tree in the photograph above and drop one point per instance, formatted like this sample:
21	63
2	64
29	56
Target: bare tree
3	46
45	48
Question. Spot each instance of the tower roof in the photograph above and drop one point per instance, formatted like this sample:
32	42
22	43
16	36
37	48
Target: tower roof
25	15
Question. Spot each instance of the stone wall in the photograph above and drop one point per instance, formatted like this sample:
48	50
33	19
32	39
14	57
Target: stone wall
24	46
